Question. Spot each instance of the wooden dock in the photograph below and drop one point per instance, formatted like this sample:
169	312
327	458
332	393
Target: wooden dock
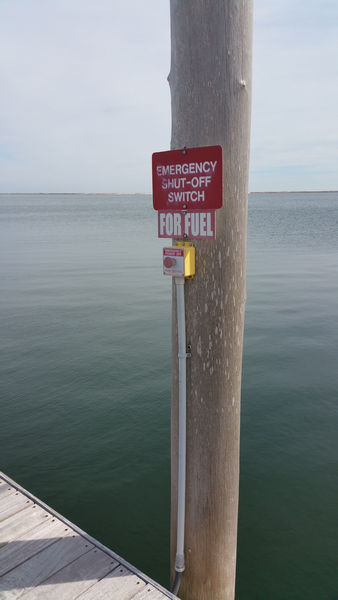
45	556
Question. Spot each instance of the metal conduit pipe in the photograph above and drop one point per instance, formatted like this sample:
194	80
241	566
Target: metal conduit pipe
182	420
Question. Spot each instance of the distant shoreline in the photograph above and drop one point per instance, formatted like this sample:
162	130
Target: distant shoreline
149	194
298	192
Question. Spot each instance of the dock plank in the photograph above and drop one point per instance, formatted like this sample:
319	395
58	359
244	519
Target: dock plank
43	565
13	504
120	584
5	489
148	593
45	556
30	543
21	522
76	578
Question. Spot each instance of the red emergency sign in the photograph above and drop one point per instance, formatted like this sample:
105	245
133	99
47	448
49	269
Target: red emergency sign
188	179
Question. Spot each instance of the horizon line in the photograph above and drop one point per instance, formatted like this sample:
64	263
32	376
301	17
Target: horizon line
150	194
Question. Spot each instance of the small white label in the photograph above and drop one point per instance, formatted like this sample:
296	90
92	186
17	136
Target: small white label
173	262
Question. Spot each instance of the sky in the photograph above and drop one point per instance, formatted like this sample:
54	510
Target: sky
84	98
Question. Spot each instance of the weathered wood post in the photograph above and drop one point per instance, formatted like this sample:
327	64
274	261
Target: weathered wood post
210	84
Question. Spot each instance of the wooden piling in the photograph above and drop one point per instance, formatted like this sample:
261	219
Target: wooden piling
210	84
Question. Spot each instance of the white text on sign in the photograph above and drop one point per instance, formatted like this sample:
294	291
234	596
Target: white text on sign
187	168
192	225
193	188
188	179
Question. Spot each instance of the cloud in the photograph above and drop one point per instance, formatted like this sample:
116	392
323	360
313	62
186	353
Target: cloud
295	74
85	100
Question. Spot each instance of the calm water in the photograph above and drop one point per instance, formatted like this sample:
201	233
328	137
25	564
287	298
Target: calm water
85	385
